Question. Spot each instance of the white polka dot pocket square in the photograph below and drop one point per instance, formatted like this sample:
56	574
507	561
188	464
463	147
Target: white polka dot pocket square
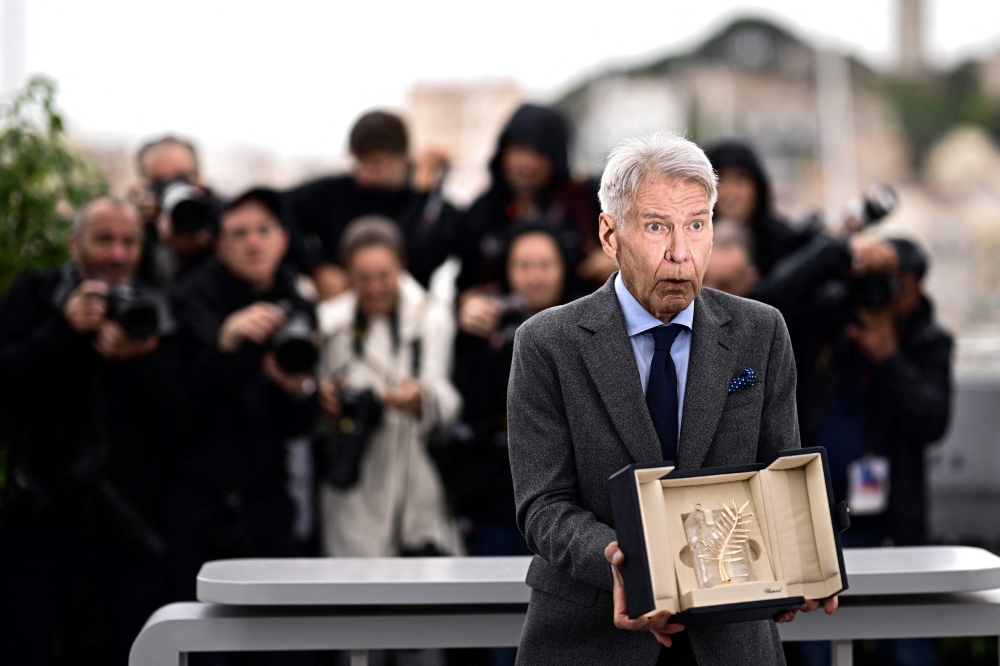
747	380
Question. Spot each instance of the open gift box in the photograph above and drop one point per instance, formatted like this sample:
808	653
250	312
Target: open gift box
793	538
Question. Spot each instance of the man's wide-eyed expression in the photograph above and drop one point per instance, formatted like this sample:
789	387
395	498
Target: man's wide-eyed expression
663	245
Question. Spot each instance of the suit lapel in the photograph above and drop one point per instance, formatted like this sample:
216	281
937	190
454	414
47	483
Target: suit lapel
611	363
708	378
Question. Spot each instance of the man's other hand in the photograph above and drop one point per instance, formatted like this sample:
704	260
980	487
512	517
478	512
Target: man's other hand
114	344
829	606
328	400
658	623
479	315
872	256
427	169
298	386
85	308
875	334
256	323
140	196
406	398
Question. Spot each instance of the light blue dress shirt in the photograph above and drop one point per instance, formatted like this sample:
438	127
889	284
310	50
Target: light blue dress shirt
639	325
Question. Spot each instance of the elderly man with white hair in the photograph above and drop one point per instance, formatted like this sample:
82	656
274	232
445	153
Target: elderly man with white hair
637	372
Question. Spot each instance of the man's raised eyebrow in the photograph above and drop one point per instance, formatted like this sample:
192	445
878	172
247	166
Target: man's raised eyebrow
649	215
700	212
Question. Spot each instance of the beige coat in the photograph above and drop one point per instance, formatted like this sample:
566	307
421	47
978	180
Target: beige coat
398	502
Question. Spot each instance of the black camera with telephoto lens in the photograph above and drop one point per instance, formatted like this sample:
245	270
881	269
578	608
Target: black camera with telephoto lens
294	344
138	313
878	202
189	207
874	291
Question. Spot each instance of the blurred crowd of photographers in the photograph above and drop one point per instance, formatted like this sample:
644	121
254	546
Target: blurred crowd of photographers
269	375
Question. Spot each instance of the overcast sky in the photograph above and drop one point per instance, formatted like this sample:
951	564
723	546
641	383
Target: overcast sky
291	75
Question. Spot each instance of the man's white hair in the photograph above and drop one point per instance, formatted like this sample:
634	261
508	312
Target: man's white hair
659	155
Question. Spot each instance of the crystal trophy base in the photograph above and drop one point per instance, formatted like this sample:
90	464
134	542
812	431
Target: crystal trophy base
719	541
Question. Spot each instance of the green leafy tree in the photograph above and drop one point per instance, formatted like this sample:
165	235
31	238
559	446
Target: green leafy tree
42	182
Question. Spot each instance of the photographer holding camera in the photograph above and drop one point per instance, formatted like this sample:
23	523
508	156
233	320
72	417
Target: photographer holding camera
385	390
249	352
874	369
178	211
92	395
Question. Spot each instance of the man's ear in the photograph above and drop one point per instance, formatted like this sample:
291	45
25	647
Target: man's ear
608	234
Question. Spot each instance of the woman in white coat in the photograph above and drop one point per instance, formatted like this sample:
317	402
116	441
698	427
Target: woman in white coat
388	335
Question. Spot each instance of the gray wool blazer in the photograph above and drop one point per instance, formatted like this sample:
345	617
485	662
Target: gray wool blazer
577	415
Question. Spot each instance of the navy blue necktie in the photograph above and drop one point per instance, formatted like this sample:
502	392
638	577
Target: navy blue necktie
661	391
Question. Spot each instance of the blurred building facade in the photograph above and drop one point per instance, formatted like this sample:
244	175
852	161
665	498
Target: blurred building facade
464	120
757	81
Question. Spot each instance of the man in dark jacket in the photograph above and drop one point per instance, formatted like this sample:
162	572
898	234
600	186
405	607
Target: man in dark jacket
92	402
874	375
745	196
230	500
384	182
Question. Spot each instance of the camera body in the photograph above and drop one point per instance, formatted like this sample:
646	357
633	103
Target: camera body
294	344
513	312
345	444
188	207
138	313
873	291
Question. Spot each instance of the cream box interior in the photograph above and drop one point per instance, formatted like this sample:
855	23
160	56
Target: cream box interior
792	541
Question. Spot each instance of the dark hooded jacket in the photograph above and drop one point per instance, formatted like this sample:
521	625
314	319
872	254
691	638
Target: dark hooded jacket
773	237
568	207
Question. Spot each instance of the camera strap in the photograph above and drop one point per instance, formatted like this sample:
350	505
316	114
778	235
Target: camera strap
361	332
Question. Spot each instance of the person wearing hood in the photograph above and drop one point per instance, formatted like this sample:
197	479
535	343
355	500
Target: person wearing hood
531	184
745	196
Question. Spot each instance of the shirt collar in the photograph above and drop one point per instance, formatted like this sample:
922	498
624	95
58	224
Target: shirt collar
637	318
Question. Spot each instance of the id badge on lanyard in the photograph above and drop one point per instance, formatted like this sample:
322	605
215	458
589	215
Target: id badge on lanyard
868	486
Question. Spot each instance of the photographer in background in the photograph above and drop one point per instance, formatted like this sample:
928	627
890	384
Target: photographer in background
178	211
384	390
530	184
246	398
385	182
745	197
477	467
91	391
874	388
